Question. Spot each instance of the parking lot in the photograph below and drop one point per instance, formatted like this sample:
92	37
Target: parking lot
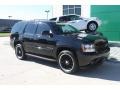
36	71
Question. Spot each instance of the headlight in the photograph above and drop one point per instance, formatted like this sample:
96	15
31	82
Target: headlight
88	48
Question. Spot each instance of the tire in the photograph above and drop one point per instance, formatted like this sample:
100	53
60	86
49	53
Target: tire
67	62
91	27
19	51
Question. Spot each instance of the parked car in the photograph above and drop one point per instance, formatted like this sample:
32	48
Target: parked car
81	23
62	43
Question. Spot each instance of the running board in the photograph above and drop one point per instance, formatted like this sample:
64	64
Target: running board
45	58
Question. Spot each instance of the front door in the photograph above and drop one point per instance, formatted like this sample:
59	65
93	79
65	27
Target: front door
44	44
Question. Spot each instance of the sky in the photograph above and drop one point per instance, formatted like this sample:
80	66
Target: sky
25	12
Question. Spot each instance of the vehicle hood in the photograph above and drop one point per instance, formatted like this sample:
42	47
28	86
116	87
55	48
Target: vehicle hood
90	38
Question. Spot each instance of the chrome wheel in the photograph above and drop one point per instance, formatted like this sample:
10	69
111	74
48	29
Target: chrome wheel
20	54
67	62
92	26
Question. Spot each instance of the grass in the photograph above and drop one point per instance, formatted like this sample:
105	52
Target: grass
4	34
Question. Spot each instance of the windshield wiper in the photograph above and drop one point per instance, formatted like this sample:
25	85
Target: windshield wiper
70	32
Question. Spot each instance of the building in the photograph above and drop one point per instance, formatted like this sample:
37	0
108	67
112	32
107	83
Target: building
108	14
6	24
83	10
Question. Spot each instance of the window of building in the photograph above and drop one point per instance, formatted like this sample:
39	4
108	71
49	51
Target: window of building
77	6
71	9
65	12
77	11
71	6
65	6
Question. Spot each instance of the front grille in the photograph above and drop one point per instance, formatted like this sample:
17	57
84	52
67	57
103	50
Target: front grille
101	45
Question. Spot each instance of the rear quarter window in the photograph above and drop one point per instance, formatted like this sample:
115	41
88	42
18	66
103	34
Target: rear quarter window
18	27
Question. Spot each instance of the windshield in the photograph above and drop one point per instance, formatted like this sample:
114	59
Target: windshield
74	17
68	29
69	18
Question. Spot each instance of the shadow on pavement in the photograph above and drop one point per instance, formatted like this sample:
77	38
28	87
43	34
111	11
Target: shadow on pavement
43	62
113	60
109	70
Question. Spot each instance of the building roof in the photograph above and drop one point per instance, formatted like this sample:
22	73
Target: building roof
8	22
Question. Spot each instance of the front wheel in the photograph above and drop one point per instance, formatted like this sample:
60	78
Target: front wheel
92	27
67	62
19	51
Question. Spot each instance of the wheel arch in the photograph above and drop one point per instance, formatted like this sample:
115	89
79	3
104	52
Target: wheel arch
65	48
17	42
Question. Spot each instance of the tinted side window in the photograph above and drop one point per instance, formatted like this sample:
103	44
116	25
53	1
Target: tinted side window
53	19
55	28
31	28
15	28
64	18
18	27
22	26
42	27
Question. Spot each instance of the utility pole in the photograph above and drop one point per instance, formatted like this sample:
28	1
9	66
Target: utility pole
9	22
9	17
47	11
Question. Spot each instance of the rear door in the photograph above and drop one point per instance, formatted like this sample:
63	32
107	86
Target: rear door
28	37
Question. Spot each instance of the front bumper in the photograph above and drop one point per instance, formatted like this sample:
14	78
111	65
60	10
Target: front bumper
85	59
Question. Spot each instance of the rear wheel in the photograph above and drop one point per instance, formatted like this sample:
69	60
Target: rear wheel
67	62
19	51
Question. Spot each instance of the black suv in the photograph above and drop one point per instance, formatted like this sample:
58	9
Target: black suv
63	43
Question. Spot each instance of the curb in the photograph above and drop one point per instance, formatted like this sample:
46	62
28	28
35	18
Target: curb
114	43
113	60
